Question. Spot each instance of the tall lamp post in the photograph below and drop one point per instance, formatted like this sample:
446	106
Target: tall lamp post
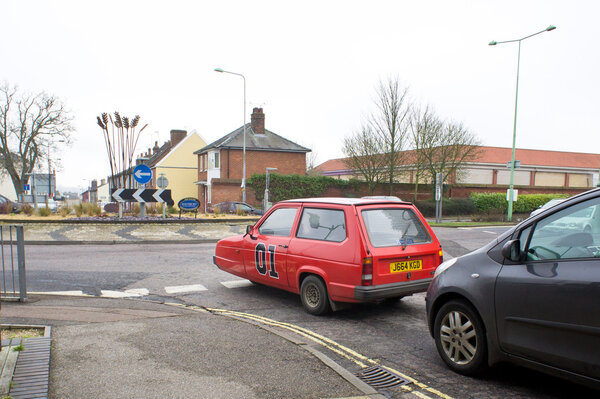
244	146
267	189
512	164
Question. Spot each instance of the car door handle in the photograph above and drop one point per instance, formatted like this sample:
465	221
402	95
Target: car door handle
282	246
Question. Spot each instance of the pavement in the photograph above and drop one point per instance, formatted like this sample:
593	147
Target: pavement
128	348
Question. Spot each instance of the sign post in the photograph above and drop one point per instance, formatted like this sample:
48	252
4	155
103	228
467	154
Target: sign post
142	174
439	186
163	182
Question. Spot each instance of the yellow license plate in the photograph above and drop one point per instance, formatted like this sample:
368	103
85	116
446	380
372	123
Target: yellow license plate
406	266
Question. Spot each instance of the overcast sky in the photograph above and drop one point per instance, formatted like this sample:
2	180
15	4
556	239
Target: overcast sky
311	65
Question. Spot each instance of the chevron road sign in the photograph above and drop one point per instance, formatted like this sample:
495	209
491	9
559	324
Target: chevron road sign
142	195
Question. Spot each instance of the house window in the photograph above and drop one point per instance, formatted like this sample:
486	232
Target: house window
217	160
202	163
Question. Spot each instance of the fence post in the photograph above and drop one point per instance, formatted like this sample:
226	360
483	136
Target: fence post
21	261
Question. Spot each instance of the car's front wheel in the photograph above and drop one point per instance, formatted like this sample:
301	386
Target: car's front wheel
313	294
460	338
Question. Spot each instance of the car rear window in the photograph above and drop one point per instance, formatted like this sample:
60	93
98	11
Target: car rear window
322	224
394	226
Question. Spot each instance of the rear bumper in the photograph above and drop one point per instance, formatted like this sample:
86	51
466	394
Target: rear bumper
367	293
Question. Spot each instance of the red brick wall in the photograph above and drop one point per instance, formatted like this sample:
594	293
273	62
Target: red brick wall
287	163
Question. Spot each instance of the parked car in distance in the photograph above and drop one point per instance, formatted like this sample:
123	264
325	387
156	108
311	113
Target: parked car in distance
547	205
529	297
235	207
8	205
336	250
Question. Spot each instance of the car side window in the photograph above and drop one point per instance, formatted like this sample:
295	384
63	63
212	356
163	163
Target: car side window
322	224
569	234
279	223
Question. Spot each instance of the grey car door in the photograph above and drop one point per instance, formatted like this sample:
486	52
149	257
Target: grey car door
547	306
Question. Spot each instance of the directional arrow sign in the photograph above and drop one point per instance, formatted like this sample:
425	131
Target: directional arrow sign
142	174
142	195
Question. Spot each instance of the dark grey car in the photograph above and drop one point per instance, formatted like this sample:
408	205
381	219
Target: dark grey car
530	297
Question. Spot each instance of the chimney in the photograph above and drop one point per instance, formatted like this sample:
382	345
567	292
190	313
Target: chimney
257	121
155	148
177	136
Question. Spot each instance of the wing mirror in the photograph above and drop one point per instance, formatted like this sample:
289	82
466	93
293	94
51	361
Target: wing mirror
512	250
249	229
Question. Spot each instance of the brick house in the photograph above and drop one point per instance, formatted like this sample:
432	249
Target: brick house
220	164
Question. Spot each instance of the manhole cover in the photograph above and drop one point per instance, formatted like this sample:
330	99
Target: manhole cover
380	378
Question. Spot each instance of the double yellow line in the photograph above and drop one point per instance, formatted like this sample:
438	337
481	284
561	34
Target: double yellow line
417	388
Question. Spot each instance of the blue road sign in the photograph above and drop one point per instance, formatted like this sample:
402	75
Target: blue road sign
142	174
189	204
25	187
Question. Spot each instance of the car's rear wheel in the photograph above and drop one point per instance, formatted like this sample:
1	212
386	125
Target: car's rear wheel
460	338
313	294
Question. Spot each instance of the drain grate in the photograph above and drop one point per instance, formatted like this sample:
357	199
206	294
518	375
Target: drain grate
378	377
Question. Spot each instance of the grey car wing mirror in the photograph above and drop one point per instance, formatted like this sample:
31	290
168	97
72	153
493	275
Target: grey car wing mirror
512	250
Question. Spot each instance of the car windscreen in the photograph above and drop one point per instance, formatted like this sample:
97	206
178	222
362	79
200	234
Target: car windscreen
389	227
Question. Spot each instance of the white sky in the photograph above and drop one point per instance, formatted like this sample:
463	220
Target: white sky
311	65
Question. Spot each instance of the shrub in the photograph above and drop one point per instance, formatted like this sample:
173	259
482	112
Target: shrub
450	207
64	210
283	187
43	211
27	209
497	203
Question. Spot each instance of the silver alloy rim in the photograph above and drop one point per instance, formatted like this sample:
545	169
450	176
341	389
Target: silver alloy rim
458	337
312	296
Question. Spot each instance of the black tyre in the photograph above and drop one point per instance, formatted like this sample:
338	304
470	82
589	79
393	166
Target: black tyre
313	294
460	338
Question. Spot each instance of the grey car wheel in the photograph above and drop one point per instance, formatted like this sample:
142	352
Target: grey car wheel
460	338
314	295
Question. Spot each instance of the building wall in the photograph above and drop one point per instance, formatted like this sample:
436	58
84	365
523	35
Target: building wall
549	179
475	176
180	167
287	163
521	177
580	180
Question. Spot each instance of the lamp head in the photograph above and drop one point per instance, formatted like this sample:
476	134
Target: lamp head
492	43
219	70
551	27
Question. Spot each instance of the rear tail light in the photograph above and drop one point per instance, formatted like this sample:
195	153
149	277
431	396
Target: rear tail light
367	271
441	253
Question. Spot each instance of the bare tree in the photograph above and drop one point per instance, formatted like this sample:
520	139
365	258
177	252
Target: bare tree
364	152
425	130
447	149
28	123
390	123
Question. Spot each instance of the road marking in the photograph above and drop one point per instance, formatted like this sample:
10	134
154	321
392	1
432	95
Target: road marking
343	351
237	283
133	293
61	293
185	288
489	232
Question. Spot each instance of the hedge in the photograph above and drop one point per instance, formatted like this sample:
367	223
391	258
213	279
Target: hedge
284	187
496	202
450	207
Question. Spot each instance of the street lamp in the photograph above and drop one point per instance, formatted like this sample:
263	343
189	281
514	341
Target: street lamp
267	189
244	147
512	164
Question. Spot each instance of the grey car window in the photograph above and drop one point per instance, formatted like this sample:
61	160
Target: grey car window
322	224
279	223
571	233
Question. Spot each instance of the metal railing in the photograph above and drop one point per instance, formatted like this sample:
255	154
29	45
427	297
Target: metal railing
13	284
